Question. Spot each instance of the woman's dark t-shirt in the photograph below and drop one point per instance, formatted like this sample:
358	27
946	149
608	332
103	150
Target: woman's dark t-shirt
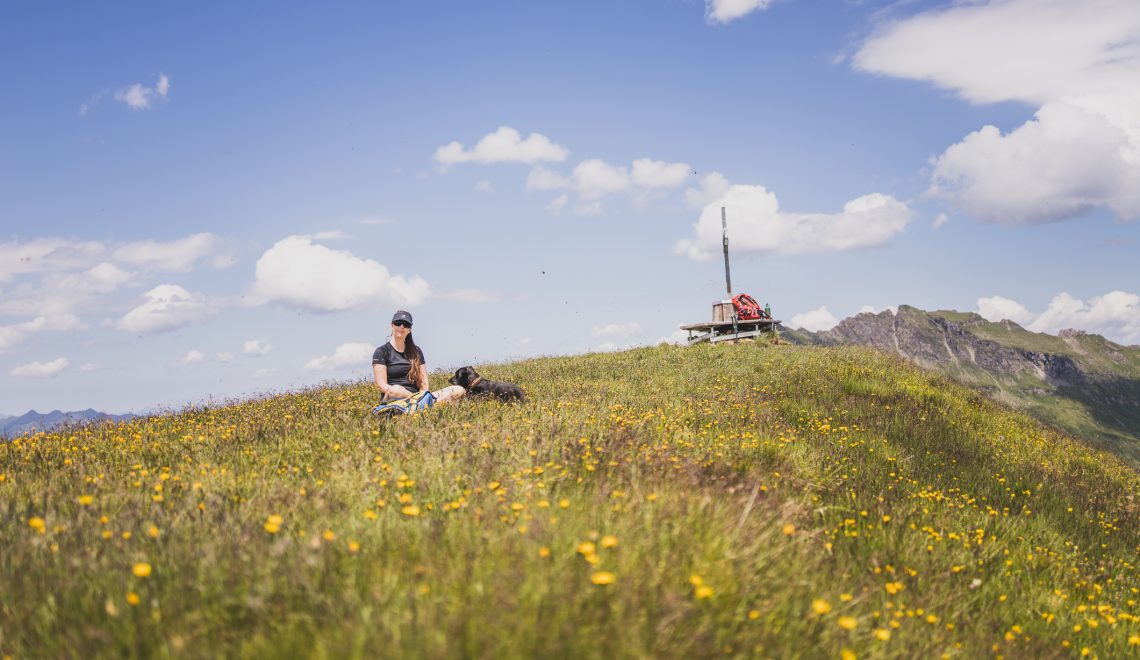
398	365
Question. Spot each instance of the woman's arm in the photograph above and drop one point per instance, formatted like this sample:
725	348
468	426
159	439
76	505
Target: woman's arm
380	374
424	377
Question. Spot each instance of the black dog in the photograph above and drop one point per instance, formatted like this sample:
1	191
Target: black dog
468	379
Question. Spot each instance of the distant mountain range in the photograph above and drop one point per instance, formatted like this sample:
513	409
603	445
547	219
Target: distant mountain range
1079	382
32	421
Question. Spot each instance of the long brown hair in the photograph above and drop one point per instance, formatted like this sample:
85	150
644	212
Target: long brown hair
412	354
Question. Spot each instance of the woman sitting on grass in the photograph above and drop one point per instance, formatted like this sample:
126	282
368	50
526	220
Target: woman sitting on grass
399	367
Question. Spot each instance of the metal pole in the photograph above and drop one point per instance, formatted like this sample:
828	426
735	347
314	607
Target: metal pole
724	235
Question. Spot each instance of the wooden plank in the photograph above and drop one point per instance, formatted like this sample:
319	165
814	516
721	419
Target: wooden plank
711	325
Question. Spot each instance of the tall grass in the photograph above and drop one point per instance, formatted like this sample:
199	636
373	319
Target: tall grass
746	500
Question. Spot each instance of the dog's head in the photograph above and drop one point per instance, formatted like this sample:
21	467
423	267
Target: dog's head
464	377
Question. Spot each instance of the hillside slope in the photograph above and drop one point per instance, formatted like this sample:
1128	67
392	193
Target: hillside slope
1082	383
741	501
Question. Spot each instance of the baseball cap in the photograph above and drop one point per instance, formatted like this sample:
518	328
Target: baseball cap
401	315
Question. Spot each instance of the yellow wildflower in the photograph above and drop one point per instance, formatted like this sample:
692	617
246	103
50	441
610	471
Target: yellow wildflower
141	569
820	606
847	622
602	578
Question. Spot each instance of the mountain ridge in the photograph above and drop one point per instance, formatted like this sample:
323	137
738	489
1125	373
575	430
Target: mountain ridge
1079	381
34	421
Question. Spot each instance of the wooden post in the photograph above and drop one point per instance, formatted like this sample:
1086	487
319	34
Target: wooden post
724	237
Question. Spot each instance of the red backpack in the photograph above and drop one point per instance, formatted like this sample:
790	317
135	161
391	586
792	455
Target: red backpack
747	309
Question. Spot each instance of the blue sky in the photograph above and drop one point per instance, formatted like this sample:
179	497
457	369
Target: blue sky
211	201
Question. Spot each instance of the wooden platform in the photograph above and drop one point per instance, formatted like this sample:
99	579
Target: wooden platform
718	331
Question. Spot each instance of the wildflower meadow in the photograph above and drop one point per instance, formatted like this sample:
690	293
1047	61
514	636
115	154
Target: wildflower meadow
717	501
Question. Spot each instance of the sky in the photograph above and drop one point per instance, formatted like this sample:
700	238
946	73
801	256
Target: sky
208	201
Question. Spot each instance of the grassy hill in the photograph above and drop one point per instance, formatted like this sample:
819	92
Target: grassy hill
730	501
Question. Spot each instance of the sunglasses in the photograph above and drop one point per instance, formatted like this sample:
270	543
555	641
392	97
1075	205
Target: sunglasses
402	324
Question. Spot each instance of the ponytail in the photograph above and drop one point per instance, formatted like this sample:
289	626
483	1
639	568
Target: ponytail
412	353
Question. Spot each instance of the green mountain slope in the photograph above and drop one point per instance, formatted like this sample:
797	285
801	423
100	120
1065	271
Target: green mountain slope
739	501
1082	383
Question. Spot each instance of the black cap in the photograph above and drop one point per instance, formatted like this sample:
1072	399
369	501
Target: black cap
402	316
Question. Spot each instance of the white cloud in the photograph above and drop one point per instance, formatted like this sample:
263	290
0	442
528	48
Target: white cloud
167	306
12	335
724	11
594	179
505	145
1071	158
678	337
997	308
558	203
178	255
816	320
224	356
616	330
61	293
257	347
45	255
940	220
139	96
348	354
484	186
41	369
659	174
1077	62
91	367
713	186
193	357
757	225
1115	315
298	273
470	296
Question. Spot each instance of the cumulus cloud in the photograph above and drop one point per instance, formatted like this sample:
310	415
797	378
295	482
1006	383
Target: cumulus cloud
1116	314
594	179
193	357
299	273
997	308
677	337
139	96
41	369
712	187
167	307
1068	160
12	335
257	347
816	320
347	354
178	255
757	225
44	255
505	145
616	329
1078	63
725	11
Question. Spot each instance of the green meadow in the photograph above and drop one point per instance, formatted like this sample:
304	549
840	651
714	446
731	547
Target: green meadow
717	501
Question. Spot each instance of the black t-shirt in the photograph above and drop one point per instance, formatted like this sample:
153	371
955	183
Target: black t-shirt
398	365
